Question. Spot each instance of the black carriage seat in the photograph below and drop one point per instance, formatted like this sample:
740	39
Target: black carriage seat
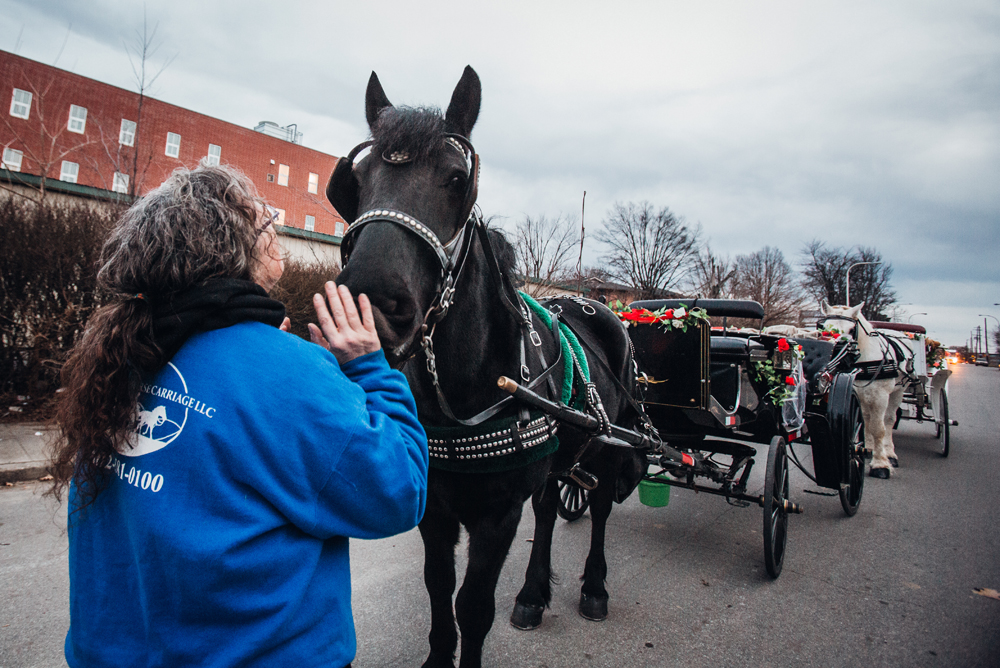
731	349
723	308
817	355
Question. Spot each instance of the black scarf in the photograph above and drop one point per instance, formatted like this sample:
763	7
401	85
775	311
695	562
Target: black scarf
213	304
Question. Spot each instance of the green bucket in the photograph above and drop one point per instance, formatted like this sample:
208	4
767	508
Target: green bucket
654	494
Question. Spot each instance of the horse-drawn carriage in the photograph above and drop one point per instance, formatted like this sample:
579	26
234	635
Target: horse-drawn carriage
712	392
925	392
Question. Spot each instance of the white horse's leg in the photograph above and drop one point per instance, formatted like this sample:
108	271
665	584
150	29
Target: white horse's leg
874	397
895	400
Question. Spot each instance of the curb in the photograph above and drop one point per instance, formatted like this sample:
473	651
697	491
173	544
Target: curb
23	474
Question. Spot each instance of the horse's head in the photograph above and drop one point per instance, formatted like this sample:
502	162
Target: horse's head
844	319
409	200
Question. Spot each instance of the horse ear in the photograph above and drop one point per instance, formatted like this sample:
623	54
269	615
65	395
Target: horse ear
857	309
464	107
824	306
375	100
342	190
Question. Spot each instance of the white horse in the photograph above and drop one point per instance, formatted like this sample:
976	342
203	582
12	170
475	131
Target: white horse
884	367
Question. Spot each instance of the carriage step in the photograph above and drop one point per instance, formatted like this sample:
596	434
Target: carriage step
585	480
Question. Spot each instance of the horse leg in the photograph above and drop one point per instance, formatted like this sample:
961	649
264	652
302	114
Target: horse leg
440	536
489	542
874	401
593	595
536	593
895	400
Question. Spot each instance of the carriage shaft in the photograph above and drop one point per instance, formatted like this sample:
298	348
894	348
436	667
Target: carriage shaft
589	423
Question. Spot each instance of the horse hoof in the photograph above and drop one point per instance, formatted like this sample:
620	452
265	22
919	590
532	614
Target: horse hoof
894	462
594	608
879	473
526	617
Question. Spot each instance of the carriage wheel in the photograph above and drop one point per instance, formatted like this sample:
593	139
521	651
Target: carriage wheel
944	427
775	514
573	501
849	435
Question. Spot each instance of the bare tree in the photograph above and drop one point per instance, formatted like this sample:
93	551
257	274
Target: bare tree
649	249
765	277
544	250
140	52
711	275
825	269
47	141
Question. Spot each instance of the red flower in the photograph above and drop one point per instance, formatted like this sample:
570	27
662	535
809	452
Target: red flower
783	345
668	314
789	380
637	315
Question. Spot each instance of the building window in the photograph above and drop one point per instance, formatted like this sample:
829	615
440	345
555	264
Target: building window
313	183
69	171
310	223
126	136
120	184
173	144
281	217
20	104
270	178
77	119
214	155
338	229
12	159
282	175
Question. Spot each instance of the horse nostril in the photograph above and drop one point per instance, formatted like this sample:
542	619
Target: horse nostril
397	310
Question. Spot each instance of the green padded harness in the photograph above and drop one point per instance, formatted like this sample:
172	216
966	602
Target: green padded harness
502	444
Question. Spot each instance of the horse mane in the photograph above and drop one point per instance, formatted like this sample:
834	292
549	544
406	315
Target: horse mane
505	254
415	130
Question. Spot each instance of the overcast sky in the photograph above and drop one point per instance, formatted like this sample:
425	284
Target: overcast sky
767	123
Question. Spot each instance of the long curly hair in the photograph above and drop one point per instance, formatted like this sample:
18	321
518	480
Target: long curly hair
199	224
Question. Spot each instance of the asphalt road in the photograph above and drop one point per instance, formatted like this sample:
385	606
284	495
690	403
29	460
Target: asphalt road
893	586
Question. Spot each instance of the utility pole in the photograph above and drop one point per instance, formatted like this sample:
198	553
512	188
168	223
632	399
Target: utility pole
579	259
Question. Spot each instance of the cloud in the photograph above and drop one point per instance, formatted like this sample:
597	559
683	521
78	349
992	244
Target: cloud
767	123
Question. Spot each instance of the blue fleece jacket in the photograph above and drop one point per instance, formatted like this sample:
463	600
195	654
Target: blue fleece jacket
222	537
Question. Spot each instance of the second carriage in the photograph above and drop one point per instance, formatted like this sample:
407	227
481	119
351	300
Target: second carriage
717	394
925	387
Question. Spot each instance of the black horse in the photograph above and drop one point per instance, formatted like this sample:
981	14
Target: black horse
442	290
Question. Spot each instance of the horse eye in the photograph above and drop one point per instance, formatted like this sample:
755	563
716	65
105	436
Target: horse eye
457	181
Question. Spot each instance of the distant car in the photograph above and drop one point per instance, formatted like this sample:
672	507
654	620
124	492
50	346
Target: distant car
982	361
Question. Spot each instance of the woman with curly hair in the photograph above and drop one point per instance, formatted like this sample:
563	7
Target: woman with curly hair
217	465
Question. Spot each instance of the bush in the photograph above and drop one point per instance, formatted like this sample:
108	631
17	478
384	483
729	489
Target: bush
49	256
296	288
48	273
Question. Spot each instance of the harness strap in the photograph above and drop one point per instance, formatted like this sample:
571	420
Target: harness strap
495	408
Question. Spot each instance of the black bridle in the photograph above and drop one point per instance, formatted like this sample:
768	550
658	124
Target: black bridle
451	256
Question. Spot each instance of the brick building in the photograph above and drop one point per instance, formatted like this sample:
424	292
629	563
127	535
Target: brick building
77	136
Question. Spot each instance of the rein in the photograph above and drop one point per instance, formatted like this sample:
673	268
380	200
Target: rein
873	370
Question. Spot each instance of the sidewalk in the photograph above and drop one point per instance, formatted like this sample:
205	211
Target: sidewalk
23	452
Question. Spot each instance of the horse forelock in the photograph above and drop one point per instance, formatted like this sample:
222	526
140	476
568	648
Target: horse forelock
414	130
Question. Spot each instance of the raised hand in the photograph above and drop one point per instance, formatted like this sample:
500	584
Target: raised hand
342	330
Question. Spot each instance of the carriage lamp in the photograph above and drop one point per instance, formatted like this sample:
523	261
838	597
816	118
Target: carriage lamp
823	382
784	360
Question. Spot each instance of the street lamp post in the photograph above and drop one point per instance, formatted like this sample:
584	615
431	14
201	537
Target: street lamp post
910	319
856	264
